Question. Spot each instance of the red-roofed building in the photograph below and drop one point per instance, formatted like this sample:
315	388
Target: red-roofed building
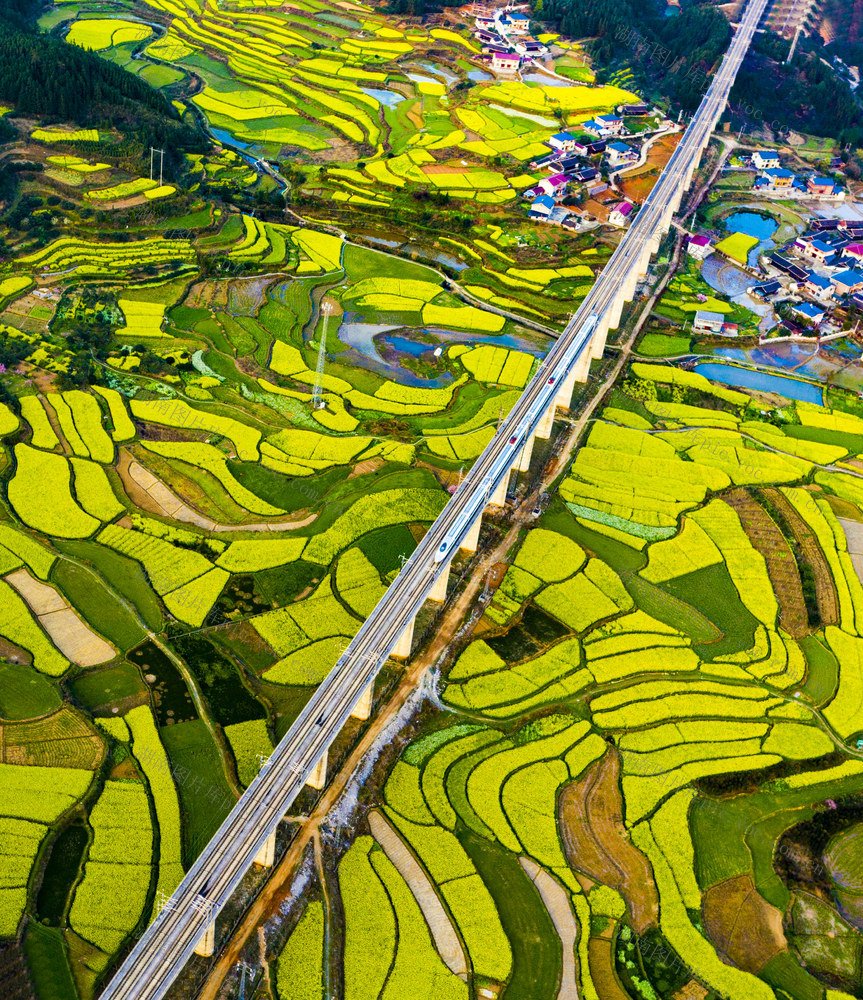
505	62
699	247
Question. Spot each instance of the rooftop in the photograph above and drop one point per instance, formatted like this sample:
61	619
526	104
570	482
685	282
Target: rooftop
705	316
807	309
849	277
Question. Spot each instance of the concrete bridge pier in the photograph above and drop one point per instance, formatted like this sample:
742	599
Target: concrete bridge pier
644	262
471	539
690	174
630	284
318	778
597	344
363	708
498	497
567	387
615	312
207	942
402	648
522	463
266	856
438	591
544	427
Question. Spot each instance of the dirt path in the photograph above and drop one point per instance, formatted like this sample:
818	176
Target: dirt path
443	933
148	492
556	900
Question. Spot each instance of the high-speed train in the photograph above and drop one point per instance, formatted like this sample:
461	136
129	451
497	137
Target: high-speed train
504	461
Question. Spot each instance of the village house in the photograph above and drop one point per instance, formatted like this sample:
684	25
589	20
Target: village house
505	62
764	159
619	153
823	187
564	141
699	247
634	110
809	312
818	285
815	249
528	46
847	282
620	214
585	145
777	177
555	185
541	207
854	251
519	22
708	322
604	125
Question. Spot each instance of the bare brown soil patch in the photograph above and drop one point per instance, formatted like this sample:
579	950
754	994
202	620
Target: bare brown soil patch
600	958
62	739
442	168
810	551
15	654
765	535
69	633
595	841
744	927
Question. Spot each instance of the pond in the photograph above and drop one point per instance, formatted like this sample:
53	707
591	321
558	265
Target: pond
444	74
545	80
724	277
838	361
421	78
171	699
515	113
366	341
748	378
478	75
754	224
61	873
389	98
223	135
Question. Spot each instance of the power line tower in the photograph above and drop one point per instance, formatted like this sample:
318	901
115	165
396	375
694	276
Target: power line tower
161	153
317	398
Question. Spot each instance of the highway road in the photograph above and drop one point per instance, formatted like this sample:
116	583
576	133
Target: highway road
166	945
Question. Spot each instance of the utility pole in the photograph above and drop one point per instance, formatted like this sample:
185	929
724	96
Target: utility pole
317	401
161	153
794	44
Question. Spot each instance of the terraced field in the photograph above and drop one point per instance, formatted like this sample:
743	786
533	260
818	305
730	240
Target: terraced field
240	392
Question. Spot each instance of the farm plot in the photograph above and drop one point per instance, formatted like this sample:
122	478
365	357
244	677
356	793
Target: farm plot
33	798
110	900
68	633
82	257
